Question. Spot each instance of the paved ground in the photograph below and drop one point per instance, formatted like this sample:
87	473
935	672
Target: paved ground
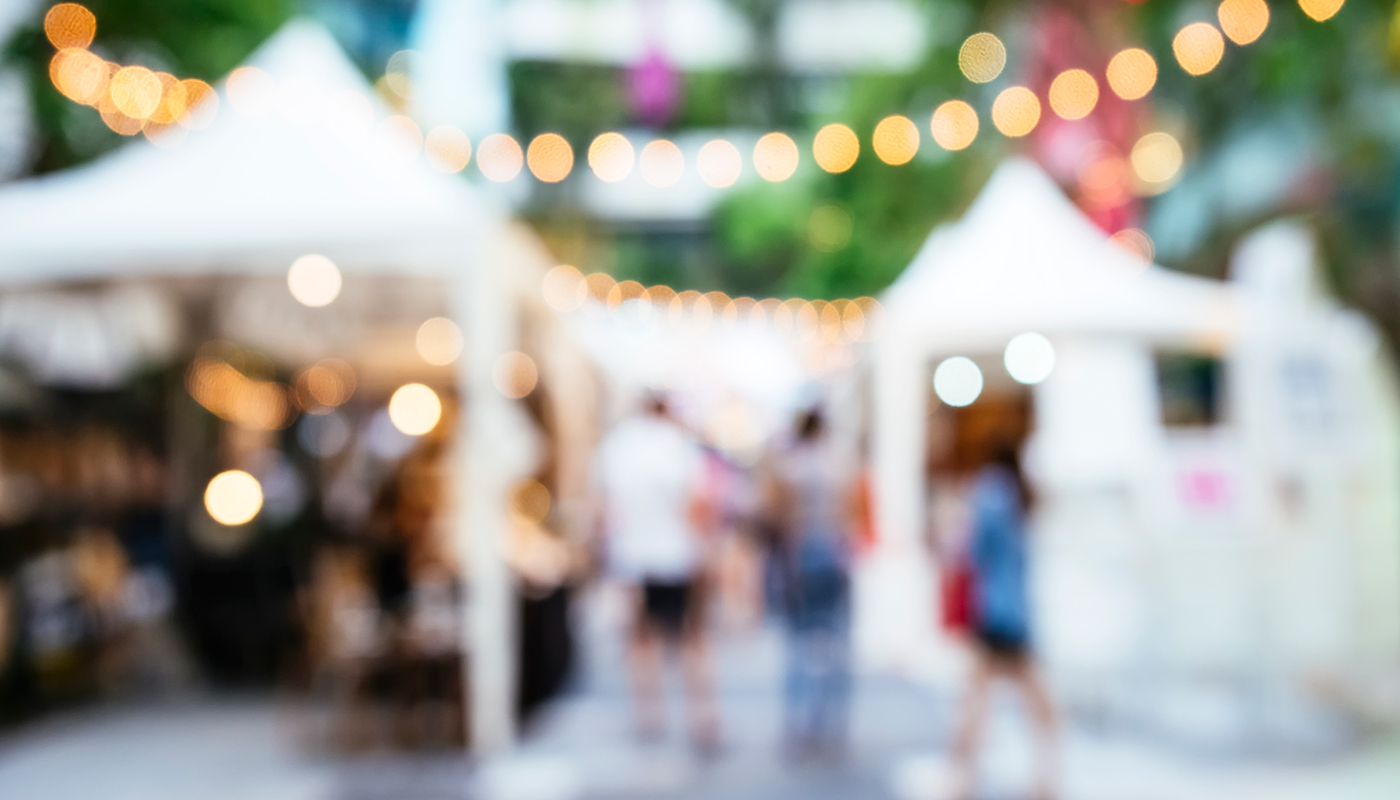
582	749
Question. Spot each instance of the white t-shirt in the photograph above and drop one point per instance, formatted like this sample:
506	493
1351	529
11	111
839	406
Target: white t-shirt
649	471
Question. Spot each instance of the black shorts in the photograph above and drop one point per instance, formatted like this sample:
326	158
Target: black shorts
1002	647
667	605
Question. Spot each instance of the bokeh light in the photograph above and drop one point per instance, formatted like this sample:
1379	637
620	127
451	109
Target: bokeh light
896	140
233	497
1321	10
719	164
550	157
314	280
79	75
1016	111
624	291
564	288
1156	160
439	341
172	100
1029	358
835	148
982	57
1073	94
70	25
201	104
229	394
398	72
499	158
853	321
414	409
599	284
775	157
515	375
1198	47
957	381
251	92
135	91
115	118
954	125
1243	20
1136	242
448	149
829	228
1132	73
611	157
662	163
324	385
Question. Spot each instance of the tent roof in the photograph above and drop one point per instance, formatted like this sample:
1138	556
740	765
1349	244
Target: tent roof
1024	258
315	174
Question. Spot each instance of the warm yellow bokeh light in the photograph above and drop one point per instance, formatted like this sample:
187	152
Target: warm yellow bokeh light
954	125
599	284
982	57
233	497
1073	94
1016	111
662	163
896	140
448	149
438	341
775	157
1198	47
135	91
719	164
611	157
398	72
1321	10
1156	160
115	119
1132	73
314	280
550	157
201	104
172	100
515	375
1243	20
81	76
624	291
415	409
835	148
564	288
499	157
325	385
530	501
70	25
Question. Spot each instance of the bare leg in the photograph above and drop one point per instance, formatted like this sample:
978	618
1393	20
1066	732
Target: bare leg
974	716
646	657
699	689
1042	713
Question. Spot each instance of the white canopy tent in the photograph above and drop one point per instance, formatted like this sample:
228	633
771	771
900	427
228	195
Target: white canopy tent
1022	259
307	168
1260	545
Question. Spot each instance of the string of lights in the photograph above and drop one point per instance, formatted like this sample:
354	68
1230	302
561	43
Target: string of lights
133	99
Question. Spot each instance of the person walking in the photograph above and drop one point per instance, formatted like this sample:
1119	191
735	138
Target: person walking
652	478
811	493
1001	619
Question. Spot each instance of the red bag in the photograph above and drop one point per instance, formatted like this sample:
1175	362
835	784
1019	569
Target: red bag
959	604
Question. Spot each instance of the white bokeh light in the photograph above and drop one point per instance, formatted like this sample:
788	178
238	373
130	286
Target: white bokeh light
1030	358
957	381
314	280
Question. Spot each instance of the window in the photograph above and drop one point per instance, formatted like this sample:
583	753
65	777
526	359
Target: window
1190	387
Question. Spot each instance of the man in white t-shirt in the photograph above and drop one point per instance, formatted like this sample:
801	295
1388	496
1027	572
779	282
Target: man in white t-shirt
651	476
